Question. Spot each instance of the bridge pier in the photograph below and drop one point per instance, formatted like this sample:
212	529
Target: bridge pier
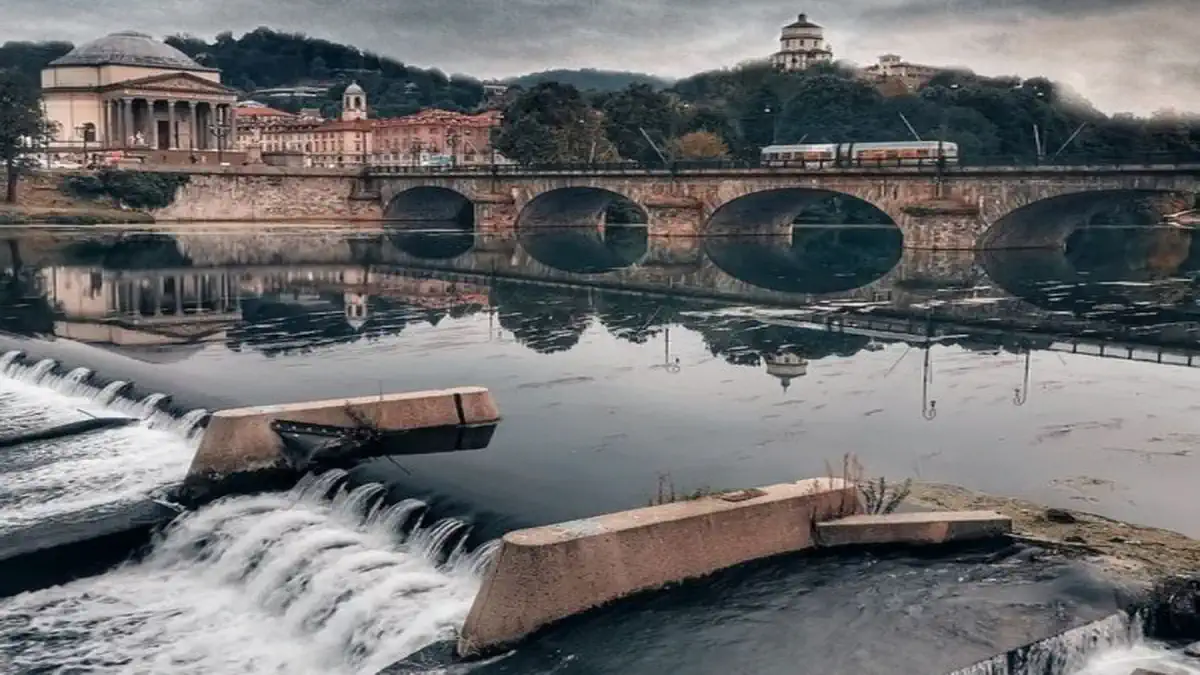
496	218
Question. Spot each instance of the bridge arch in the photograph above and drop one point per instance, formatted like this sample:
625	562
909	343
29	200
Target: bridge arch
580	207
584	230
774	211
433	207
1049	222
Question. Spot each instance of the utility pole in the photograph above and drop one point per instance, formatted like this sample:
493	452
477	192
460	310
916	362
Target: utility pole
660	154
911	130
1069	140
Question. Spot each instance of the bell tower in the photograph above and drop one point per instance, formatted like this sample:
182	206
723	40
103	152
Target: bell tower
354	103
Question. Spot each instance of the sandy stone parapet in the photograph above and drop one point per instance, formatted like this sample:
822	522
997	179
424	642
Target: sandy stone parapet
939	527
545	574
241	440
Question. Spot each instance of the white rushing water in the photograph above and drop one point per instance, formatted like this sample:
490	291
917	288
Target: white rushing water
43	479
297	583
1111	646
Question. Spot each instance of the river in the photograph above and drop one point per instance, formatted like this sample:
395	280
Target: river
1064	378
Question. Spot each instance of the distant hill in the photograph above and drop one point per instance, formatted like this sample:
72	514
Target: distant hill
590	78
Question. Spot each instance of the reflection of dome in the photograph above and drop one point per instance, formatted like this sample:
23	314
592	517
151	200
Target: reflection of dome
128	49
786	367
357	310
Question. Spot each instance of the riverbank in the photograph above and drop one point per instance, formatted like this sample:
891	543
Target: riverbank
70	215
1138	552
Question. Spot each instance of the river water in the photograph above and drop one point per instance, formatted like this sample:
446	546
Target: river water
620	365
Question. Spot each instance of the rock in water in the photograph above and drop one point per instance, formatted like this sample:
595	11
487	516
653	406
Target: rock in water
1174	609
1193	650
1060	516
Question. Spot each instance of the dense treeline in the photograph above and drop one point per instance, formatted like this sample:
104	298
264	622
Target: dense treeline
752	106
264	58
26	59
589	79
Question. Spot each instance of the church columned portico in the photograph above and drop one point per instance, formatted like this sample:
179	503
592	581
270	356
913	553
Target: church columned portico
132	121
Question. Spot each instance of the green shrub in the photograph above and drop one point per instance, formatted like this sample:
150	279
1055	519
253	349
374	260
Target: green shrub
134	189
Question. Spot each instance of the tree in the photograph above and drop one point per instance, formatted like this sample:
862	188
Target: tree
634	113
584	141
699	145
22	128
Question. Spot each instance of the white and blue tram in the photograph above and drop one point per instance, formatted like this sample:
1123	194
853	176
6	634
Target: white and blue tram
834	155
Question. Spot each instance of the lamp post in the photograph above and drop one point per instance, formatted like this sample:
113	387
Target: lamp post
452	143
82	131
414	148
221	131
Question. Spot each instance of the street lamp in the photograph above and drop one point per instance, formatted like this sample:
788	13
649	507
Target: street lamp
452	143
83	131
221	131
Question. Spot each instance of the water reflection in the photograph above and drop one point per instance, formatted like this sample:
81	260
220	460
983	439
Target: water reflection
154	289
816	259
432	242
1131	277
586	250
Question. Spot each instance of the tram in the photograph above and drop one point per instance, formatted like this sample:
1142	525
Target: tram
833	155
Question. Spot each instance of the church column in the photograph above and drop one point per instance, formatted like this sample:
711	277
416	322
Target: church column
127	132
172	133
137	298
233	132
151	123
102	129
160	288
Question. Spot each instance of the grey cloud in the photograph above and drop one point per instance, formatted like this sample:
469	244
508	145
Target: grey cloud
1123	54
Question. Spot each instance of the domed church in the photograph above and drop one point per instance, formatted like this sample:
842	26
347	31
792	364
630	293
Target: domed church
130	92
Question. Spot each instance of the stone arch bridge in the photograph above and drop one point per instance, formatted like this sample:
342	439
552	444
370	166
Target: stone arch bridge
957	209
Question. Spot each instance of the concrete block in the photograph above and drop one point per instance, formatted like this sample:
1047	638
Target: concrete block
913	528
545	574
241	440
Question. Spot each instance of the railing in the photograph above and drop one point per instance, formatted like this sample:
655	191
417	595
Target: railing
905	165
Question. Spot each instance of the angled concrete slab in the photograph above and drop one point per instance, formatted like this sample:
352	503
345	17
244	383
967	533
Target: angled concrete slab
242	441
545	574
936	527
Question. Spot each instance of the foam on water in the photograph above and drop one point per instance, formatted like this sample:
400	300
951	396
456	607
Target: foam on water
1154	658
291	583
49	478
1112	646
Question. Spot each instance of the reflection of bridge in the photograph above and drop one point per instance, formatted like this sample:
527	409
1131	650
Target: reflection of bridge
203	278
772	271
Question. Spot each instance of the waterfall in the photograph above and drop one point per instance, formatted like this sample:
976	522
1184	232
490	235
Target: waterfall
108	399
111	391
7	360
305	583
1067	653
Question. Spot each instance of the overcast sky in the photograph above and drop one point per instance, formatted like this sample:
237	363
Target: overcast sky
1124	55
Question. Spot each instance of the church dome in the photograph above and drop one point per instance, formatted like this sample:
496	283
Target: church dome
128	49
354	89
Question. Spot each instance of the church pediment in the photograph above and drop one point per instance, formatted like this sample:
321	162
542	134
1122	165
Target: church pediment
174	82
